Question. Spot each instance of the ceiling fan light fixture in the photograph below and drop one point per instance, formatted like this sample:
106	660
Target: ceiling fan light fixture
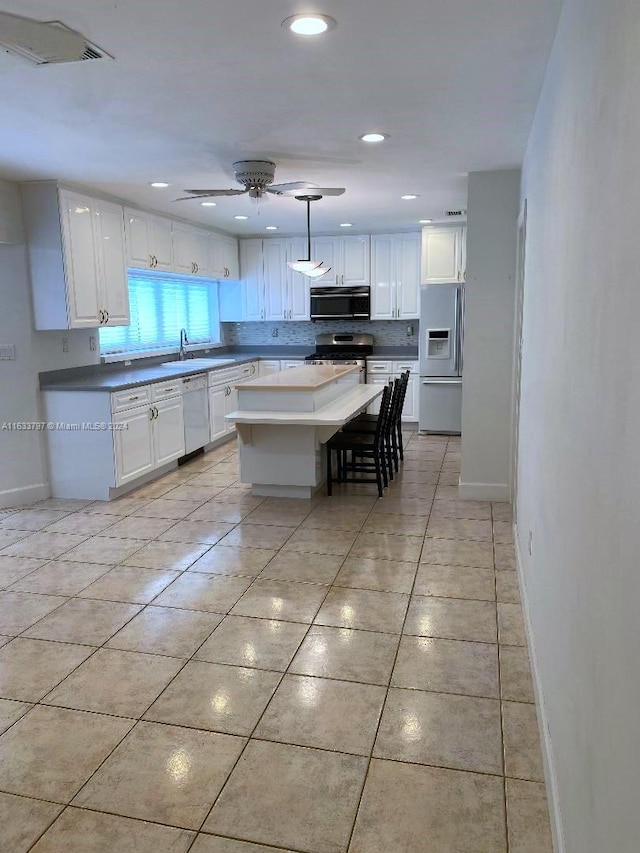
304	266
309	24
373	137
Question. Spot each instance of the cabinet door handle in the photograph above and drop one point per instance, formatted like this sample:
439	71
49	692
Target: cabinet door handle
134	397
101	316
342	279
107	316
151	413
151	261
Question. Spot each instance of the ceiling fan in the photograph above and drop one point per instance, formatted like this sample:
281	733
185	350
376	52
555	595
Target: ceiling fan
257	177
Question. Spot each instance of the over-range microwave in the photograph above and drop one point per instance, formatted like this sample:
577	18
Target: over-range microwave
341	303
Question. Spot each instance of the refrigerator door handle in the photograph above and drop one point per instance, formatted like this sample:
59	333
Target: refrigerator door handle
442	382
456	336
460	344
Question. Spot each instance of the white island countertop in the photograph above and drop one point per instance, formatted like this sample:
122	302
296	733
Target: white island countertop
307	378
335	414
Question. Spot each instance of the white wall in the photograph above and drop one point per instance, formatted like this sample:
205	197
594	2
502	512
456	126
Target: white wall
492	220
579	468
23	469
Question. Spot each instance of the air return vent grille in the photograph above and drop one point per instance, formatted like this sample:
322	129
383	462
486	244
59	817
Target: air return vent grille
45	43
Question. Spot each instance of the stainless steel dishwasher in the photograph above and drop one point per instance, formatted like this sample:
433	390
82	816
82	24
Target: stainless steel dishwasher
195	400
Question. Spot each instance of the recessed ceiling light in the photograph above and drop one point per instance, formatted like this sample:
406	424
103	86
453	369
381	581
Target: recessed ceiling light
309	24
425	221
346	224
408	197
208	203
271	228
240	217
159	184
374	137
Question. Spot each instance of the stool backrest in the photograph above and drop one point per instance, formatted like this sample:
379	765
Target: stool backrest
404	382
384	415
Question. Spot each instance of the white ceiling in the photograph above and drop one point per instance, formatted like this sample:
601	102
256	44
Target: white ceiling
196	85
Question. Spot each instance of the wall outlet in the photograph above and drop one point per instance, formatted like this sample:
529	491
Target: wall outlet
274	332
92	343
65	345
410	331
531	543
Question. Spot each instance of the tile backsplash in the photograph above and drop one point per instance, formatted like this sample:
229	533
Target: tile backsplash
386	333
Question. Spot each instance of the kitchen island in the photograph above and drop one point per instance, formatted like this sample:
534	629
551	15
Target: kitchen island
284	419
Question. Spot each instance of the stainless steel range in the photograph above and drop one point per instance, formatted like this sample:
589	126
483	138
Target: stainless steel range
343	349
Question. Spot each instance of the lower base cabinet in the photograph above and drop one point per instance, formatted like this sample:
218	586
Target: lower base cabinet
147	438
411	408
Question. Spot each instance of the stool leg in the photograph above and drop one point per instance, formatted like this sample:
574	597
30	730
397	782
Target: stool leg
376	459
329	471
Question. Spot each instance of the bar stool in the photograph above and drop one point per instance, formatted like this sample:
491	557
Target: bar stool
366	423
368	451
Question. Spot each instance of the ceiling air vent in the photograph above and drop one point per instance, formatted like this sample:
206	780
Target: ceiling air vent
45	42
460	212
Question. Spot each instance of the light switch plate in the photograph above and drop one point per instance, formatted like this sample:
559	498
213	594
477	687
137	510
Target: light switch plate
7	352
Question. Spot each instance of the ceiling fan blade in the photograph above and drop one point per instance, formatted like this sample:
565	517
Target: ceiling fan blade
321	191
210	193
292	186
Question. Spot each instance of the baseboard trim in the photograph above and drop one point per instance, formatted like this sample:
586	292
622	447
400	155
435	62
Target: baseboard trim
24	495
555	815
484	491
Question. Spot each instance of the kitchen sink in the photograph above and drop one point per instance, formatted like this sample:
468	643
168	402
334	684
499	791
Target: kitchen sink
203	363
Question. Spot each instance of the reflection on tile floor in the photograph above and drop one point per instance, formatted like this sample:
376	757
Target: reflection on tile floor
190	668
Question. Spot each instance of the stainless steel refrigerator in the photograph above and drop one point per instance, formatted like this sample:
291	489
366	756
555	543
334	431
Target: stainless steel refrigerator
440	350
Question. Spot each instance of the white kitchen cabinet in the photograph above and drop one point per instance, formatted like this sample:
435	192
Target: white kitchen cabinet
252	272
443	254
268	366
274	260
109	240
148	436
149	240
133	444
286	291
168	430
224	257
383	372
217	411
77	260
191	250
348	257
395	276
297	284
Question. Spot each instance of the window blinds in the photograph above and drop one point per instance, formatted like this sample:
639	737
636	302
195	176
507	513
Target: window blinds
160	306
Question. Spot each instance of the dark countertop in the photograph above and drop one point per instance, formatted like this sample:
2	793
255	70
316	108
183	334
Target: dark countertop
110	377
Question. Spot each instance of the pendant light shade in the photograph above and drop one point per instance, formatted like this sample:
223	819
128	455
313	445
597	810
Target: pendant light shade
306	266
303	266
318	271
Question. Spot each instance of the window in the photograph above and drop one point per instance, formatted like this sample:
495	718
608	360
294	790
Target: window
160	306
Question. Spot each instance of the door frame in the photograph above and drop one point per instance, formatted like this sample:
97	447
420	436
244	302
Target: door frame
517	354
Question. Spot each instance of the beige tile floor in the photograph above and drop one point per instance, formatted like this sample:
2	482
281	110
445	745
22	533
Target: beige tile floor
193	668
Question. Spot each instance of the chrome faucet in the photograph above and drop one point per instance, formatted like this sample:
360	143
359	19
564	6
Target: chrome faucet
184	340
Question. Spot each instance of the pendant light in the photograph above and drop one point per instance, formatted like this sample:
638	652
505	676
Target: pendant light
306	266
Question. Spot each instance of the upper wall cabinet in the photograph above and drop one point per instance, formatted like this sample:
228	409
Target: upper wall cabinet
149	241
395	276
77	256
443	254
191	250
224	257
348	257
